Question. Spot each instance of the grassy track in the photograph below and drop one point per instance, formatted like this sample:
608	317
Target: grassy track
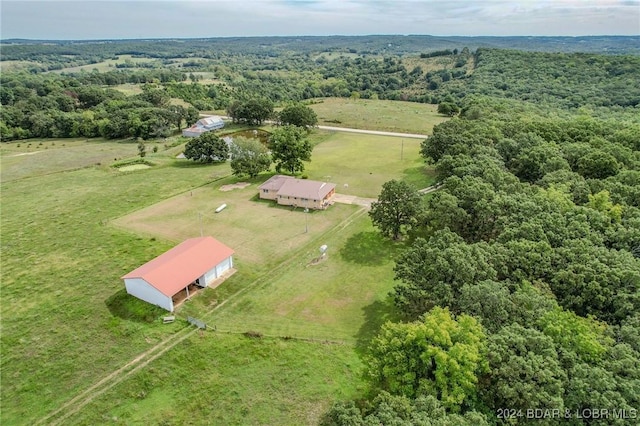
222	379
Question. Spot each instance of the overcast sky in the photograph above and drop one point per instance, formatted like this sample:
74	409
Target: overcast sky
91	19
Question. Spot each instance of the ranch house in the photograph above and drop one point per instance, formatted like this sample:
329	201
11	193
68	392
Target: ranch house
203	125
169	279
289	191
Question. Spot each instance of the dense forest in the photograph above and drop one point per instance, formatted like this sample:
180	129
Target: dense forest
521	287
518	294
81	103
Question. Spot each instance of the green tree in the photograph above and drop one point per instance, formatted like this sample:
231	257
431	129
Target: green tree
598	165
207	148
585	337
398	410
602	203
178	114
142	149
289	148
249	157
396	209
448	108
433	272
488	301
252	111
298	115
437	355
524	370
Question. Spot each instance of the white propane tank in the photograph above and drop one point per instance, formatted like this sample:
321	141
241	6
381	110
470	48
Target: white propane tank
222	207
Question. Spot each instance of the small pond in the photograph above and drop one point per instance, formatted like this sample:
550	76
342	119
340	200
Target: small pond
261	135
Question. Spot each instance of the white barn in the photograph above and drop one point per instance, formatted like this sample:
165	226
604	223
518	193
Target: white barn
203	125
203	262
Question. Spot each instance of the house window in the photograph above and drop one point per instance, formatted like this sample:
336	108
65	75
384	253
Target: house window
304	199
265	190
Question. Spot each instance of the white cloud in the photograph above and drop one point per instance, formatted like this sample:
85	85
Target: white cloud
52	19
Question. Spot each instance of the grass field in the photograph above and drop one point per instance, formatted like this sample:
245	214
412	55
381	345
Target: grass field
43	156
223	379
261	232
67	321
107	65
365	162
392	116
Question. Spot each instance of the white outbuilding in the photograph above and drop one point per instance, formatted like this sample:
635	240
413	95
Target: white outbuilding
201	262
206	124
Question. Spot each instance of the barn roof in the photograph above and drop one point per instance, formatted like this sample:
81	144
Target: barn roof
175	269
288	186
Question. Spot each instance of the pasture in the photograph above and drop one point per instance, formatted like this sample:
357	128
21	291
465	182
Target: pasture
391	116
36	157
71	228
108	64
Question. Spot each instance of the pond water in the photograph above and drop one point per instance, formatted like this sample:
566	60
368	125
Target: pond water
261	135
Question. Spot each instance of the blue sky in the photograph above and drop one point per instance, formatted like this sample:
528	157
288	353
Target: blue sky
92	19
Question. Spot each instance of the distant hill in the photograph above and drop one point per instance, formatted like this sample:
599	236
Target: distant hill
21	49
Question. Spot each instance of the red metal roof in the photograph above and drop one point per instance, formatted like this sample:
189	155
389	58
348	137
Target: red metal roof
175	269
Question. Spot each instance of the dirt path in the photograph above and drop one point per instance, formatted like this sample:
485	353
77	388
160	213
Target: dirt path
24	153
366	202
75	404
353	199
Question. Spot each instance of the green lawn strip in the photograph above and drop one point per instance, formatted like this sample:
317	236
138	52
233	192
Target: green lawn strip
391	116
65	321
214	378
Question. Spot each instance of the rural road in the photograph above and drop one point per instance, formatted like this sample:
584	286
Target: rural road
373	132
351	130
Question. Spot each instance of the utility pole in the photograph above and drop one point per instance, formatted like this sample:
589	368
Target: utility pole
306	220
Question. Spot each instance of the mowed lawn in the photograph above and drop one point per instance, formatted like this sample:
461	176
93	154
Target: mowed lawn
359	164
342	296
261	232
391	116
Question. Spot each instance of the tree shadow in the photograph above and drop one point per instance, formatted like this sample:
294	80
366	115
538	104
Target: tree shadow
420	176
188	164
369	248
127	307
375	314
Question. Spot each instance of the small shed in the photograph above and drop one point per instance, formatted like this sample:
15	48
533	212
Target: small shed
202	261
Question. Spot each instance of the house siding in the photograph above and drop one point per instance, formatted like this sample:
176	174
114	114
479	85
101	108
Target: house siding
143	290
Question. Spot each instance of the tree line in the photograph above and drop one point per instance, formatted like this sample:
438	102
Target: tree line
519	289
